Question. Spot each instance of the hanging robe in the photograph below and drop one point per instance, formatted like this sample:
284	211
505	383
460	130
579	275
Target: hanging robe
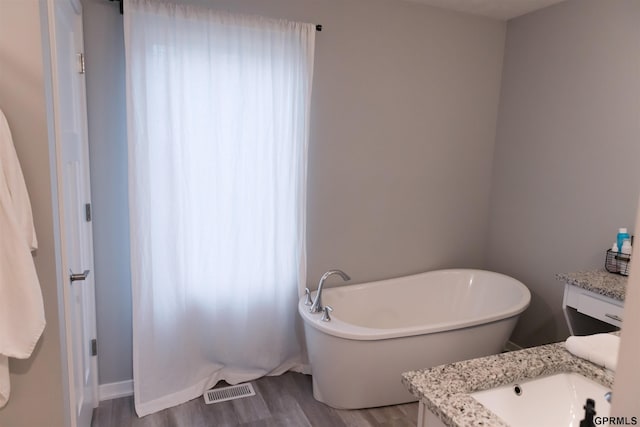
21	308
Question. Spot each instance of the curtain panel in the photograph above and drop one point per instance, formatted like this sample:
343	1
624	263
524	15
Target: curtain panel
218	123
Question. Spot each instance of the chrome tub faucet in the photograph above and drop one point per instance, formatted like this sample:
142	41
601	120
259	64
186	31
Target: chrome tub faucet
316	305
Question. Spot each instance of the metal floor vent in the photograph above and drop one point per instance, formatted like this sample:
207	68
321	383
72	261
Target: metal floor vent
222	394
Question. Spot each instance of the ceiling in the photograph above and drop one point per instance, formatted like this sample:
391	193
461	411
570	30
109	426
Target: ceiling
498	9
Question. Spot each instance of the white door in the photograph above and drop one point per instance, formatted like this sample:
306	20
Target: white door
70	122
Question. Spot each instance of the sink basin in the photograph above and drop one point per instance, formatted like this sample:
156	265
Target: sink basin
555	400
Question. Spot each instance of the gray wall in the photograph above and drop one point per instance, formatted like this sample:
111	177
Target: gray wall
36	383
404	109
565	167
104	44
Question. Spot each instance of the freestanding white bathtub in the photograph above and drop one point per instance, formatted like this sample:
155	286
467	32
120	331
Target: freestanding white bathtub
380	329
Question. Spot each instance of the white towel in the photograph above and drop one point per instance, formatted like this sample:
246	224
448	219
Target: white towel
21	307
601	349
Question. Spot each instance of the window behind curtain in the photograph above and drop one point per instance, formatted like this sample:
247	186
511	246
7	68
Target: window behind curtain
218	112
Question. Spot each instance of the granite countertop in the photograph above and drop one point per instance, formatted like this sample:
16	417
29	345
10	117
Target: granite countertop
445	389
599	281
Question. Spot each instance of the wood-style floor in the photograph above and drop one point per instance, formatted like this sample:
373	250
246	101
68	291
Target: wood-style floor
282	401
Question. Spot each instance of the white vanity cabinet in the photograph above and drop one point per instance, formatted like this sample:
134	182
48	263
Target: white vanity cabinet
593	295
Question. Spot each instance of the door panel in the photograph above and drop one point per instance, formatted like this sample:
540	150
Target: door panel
70	121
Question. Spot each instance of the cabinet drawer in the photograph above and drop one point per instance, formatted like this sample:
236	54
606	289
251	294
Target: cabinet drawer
600	309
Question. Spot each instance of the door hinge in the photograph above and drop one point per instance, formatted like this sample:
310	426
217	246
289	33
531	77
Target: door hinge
94	347
81	68
87	212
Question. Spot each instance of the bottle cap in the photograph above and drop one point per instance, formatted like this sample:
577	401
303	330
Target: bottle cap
622	230
615	248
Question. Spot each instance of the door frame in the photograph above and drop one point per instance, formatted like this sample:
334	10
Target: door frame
65	291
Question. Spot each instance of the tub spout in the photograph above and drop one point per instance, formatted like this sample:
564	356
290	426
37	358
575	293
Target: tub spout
317	306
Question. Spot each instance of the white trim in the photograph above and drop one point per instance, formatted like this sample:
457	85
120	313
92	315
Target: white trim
115	390
62	261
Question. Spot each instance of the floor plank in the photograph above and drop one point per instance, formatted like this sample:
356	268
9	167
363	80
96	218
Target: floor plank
121	410
219	414
250	409
410	410
102	414
282	401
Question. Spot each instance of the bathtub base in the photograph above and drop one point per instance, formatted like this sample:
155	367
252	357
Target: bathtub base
355	374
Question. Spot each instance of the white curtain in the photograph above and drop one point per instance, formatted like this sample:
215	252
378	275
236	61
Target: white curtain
218	117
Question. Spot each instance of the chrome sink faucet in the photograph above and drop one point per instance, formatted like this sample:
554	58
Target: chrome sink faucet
316	306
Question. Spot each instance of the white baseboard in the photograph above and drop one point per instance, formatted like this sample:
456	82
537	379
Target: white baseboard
115	390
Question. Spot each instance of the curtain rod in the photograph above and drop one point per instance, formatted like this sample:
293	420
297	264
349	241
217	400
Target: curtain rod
318	26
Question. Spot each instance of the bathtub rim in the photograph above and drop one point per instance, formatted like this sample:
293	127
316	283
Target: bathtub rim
342	329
